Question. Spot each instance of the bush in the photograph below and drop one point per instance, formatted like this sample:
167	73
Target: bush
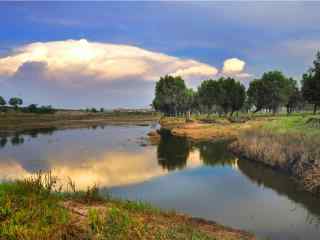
33	108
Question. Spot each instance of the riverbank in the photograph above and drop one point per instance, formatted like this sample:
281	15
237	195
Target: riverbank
289	144
13	122
35	209
208	129
285	143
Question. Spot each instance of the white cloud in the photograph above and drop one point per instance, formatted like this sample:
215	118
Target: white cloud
78	73
233	65
100	62
196	70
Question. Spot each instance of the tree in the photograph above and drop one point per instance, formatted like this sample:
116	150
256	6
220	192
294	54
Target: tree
311	84
295	98
208	94
225	93
33	108
94	110
231	96
170	95
2	101
15	102
257	95
186	103
270	92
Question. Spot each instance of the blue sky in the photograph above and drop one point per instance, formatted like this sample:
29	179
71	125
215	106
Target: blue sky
191	39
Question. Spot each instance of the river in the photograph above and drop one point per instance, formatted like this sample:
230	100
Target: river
202	179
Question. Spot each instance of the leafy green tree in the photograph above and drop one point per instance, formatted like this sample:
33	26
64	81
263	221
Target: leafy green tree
2	101
186	103
46	109
208	93
94	110
231	96
32	108
270	92
226	93
311	84
257	95
15	102
295	98
170	95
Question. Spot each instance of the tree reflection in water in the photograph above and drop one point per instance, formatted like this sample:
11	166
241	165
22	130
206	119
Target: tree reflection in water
17	140
173	152
3	142
216	153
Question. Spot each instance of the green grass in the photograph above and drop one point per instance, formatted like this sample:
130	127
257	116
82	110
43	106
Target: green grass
36	209
122	224
292	124
27	212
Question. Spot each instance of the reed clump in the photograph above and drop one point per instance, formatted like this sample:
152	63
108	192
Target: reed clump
294	152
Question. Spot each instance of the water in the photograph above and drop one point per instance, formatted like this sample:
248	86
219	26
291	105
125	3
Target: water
203	180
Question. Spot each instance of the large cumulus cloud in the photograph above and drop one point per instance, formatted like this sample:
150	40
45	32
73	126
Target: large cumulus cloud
101	61
91	70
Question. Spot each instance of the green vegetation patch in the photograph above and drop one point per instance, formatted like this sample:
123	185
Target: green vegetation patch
292	124
35	208
30	212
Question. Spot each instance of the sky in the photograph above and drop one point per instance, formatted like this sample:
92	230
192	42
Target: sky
110	54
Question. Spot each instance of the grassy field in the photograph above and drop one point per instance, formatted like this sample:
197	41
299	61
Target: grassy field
294	124
35	209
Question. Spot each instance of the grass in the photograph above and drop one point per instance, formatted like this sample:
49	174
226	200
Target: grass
204	128
119	223
35	208
288	143
292	124
30	212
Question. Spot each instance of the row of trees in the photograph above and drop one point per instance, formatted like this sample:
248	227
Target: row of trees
226	95
16	102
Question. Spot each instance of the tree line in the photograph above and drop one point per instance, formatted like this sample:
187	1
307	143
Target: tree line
225	95
16	102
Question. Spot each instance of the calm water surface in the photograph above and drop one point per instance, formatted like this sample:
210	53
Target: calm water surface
203	179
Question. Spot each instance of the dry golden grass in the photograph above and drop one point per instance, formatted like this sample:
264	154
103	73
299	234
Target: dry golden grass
293	152
200	131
